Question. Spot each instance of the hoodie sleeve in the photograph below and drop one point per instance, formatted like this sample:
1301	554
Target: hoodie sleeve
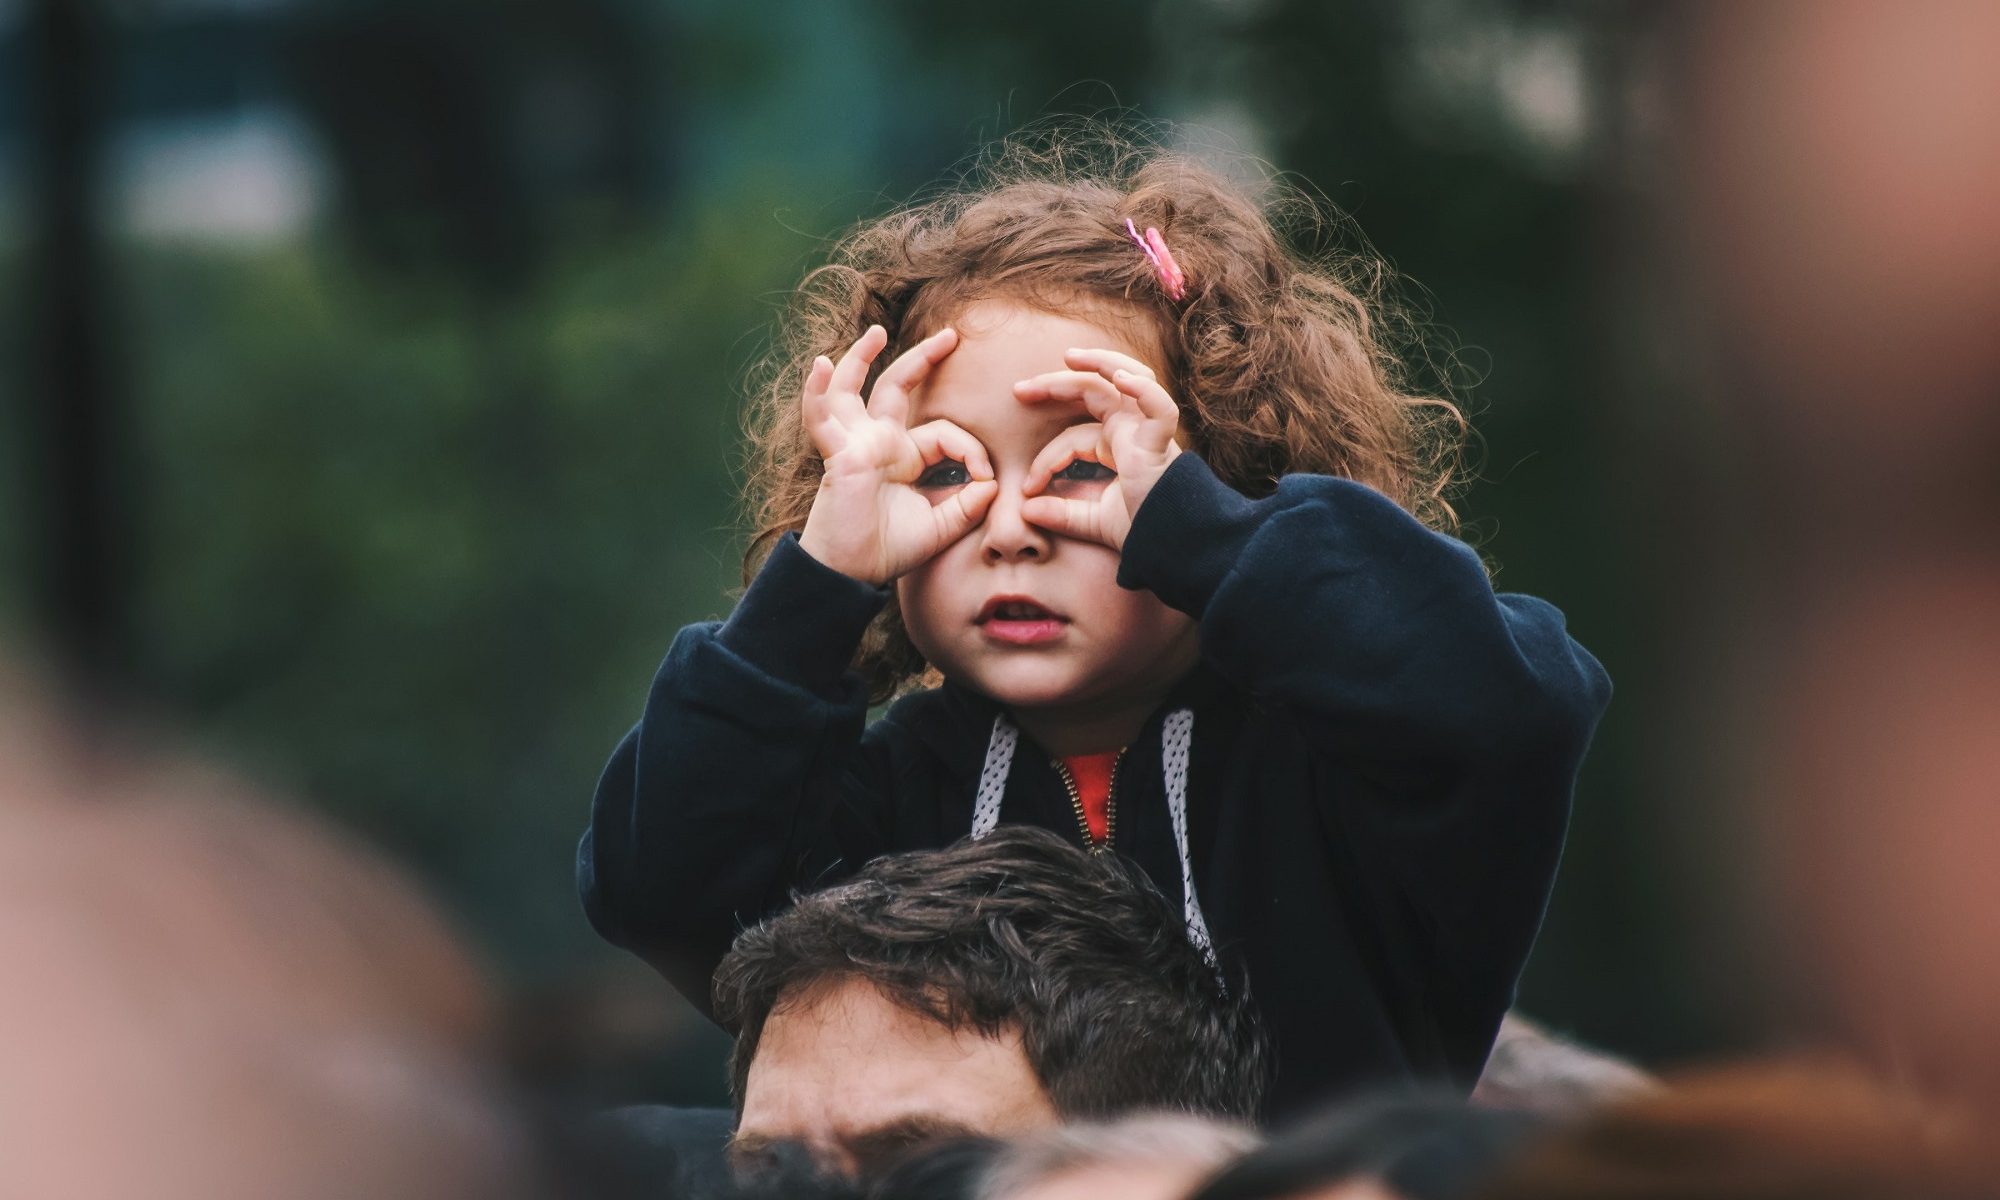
1462	714
745	777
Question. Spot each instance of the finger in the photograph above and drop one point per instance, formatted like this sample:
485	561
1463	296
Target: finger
1104	362
1078	441
964	508
1067	383
1071	518
1097	394
812	398
1162	415
852	370
941	439
891	398
826	432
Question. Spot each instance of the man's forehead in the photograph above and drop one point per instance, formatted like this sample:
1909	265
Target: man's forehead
841	1063
818	1025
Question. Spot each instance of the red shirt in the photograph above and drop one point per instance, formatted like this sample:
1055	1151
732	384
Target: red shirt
1092	773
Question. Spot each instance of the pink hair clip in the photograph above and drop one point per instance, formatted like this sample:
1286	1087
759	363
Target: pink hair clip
1172	278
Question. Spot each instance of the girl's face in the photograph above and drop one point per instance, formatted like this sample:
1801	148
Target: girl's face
1031	619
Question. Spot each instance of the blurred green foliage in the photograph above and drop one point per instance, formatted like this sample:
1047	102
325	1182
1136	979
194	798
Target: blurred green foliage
415	557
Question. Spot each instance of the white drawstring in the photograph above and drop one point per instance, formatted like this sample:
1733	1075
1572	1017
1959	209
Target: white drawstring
993	776
1175	739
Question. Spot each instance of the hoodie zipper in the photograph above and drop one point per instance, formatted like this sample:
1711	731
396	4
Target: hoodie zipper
1076	805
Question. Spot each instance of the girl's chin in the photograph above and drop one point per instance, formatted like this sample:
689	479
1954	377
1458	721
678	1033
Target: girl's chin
1029	685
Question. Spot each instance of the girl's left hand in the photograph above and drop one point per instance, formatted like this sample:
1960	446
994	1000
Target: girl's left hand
1133	437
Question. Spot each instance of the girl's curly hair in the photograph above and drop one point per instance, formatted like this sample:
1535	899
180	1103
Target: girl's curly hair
1280	361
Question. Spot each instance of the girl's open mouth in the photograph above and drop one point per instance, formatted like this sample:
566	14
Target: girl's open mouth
1019	621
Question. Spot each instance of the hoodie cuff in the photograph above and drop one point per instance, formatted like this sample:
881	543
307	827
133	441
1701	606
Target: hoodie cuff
1187	536
800	620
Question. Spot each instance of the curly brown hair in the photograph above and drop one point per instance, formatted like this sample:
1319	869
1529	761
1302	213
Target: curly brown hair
1282	361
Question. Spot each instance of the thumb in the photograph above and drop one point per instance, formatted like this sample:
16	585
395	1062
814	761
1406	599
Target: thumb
1071	518
964	509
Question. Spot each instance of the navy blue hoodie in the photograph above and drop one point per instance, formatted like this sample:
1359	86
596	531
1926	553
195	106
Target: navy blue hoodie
1382	757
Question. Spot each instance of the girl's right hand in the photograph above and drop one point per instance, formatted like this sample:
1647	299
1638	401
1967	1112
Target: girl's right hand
891	497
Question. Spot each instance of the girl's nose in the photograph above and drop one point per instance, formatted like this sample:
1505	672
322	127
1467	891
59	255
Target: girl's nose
1004	536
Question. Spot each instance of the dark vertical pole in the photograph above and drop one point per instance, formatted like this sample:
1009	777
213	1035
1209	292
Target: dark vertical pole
80	587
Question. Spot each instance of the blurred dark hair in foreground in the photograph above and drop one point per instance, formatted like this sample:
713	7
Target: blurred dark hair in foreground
1772	1132
1418	1145
941	1171
1150	1154
1775	1130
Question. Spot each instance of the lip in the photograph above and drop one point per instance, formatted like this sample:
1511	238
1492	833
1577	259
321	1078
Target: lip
994	604
1023	633
1047	626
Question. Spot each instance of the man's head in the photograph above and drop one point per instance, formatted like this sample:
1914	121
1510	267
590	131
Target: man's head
992	987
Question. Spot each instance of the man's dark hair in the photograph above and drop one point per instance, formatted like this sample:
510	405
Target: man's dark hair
1116	1010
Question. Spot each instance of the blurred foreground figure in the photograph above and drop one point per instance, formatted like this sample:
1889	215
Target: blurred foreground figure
1394	1146
1533	1070
209	998
1760	1133
1841	179
1155	1157
942	1171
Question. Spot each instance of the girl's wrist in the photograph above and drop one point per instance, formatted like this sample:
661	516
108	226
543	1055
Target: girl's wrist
814	543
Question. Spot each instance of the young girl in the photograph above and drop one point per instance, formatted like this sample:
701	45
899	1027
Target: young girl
1154	509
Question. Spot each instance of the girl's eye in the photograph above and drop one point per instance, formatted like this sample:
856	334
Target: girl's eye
948	473
1083	470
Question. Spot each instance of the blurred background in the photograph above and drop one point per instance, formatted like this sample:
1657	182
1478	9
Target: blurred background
372	376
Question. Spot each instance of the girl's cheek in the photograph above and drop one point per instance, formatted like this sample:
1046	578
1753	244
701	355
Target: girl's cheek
917	593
